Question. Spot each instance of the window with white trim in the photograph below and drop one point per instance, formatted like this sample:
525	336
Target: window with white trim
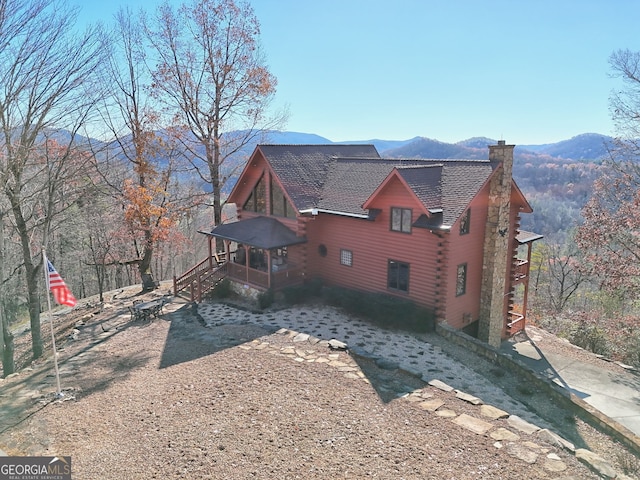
346	257
401	219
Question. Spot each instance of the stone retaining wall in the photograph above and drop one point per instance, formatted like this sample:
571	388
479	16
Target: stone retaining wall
566	399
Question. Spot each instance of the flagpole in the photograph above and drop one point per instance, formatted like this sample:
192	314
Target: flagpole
53	337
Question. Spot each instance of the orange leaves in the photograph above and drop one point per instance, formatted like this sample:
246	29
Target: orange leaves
148	211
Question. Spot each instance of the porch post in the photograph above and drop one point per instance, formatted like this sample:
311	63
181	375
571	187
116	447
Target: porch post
247	261
525	295
227	250
268	268
210	251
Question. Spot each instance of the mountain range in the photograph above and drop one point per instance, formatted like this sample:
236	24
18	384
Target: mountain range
557	178
584	147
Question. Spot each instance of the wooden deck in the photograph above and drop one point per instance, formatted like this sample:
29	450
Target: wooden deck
200	279
203	277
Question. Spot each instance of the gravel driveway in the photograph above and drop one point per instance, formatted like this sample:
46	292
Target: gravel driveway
226	393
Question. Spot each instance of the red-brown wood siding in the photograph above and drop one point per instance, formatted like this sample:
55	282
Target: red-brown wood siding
373	244
433	257
466	249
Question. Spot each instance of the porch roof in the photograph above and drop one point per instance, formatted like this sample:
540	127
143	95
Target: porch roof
260	232
527	237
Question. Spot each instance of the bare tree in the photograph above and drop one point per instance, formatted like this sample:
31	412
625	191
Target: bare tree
147	187
132	119
46	73
565	274
624	101
213	79
610	234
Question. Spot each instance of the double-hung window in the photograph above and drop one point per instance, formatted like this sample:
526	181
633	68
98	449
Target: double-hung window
398	276
401	219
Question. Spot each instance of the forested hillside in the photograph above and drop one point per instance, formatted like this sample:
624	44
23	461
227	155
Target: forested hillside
557	190
556	178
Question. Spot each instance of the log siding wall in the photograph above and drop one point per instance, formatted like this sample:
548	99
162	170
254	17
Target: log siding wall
467	248
433	256
373	244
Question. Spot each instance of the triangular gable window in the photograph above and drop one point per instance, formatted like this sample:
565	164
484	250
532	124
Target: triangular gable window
280	206
257	201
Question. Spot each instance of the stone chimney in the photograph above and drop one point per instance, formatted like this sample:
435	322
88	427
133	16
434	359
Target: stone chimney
497	251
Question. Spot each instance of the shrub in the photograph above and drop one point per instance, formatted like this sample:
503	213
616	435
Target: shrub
303	293
315	287
265	299
295	295
591	337
630	348
615	336
382	310
221	290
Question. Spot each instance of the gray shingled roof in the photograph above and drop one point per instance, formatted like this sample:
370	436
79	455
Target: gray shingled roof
261	232
340	178
425	181
350	182
449	185
302	169
460	182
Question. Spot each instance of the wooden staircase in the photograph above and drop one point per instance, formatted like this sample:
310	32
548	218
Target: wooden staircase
199	280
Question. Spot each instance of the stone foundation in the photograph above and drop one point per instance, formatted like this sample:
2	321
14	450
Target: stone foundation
245	291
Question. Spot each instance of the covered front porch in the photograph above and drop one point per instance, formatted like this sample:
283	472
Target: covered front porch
256	253
261	254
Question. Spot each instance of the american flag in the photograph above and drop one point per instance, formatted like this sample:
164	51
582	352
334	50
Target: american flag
61	292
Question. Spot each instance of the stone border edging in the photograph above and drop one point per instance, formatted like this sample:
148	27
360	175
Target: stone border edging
588	413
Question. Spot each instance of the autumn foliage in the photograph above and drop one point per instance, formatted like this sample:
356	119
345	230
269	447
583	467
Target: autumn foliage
147	212
610	234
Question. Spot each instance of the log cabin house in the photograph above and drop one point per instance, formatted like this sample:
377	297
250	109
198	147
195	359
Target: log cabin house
441	233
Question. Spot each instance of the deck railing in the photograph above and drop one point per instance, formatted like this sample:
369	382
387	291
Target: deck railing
199	279
291	275
207	274
521	270
516	322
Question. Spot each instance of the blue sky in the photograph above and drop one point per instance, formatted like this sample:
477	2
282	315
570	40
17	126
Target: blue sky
527	71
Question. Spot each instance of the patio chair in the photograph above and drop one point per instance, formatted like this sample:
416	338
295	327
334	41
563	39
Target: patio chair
137	314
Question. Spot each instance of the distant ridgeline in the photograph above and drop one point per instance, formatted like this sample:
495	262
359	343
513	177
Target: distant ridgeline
555	177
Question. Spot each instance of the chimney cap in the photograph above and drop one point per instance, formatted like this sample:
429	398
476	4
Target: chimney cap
501	142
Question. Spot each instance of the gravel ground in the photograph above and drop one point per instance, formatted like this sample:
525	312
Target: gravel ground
173	398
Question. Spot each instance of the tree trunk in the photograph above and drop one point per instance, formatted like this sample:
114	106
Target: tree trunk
8	363
31	274
34	309
213	159
144	266
6	338
3	323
